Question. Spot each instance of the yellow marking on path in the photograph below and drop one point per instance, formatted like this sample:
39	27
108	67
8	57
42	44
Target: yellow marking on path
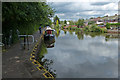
35	62
47	75
32	54
31	58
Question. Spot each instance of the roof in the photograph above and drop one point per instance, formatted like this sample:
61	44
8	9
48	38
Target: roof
74	26
49	28
66	26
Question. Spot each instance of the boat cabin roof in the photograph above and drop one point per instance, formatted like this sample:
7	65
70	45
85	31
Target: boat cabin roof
49	28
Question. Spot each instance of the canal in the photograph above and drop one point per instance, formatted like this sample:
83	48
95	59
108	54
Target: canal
78	55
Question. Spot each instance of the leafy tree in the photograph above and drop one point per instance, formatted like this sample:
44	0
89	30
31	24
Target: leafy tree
86	28
108	26
72	23
57	24
65	22
91	18
80	22
55	19
91	22
24	16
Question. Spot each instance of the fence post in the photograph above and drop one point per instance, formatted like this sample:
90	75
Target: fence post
10	38
24	42
27	42
5	43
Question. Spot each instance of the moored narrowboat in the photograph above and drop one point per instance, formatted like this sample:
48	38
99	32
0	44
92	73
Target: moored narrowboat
49	33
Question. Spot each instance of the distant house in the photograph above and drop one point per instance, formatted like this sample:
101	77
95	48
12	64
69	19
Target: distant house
111	19
69	25
73	26
95	19
86	23
66	27
106	19
68	22
99	22
101	26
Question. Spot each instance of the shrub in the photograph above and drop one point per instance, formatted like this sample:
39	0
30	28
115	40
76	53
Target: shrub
74	28
108	26
86	28
98	29
93	28
103	30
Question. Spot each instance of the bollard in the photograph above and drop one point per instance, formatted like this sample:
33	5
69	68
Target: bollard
27	42
10	38
24	42
5	43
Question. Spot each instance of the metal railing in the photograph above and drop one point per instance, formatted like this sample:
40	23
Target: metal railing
26	40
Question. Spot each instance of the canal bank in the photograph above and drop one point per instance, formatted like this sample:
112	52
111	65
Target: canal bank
17	63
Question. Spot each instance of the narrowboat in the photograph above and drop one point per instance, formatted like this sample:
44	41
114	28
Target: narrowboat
49	33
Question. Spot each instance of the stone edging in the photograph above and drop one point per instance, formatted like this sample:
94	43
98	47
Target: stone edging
46	74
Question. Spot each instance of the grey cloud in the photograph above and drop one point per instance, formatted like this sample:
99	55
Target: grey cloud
99	3
70	9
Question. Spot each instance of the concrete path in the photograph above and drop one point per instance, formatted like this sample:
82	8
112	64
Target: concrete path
16	62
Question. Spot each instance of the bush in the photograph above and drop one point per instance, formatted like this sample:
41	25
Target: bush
78	29
113	24
98	29
86	28
74	28
93	28
108	26
103	30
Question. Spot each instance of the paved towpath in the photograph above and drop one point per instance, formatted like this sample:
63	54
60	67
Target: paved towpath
16	63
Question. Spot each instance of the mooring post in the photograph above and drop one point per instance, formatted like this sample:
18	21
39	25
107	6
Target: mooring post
27	42
24	42
5	43
10	38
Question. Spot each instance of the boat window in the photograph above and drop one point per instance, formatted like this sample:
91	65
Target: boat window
49	32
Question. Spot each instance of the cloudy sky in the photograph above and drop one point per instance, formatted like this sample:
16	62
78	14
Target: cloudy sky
75	9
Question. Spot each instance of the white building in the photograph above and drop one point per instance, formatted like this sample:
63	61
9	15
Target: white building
99	22
68	23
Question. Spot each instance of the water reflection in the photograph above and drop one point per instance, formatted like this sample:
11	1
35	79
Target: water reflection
46	63
70	32
82	55
65	31
49	42
79	34
110	36
57	32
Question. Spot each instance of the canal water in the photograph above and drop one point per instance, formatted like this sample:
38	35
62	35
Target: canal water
78	55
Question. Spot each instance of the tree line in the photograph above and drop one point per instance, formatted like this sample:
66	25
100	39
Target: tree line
25	17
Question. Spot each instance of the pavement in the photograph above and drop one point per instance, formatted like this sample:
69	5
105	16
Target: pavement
16	61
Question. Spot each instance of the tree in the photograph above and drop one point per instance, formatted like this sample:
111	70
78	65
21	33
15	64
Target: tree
72	23
57	24
65	22
91	18
24	16
108	26
55	19
91	22
80	22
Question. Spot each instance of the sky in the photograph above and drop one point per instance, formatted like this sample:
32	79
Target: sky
75	9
